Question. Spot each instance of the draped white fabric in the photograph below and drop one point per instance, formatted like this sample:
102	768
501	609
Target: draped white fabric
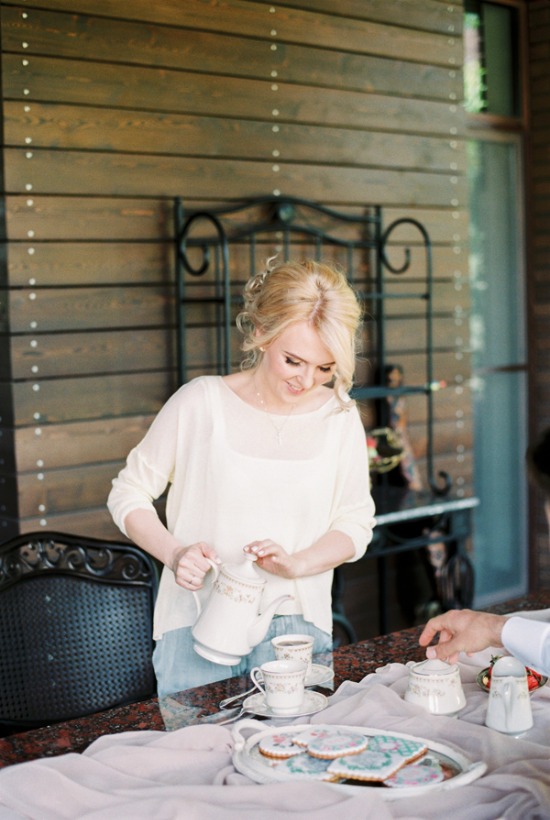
188	773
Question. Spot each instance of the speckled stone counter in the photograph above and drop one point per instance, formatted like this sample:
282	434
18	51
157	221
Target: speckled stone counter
199	705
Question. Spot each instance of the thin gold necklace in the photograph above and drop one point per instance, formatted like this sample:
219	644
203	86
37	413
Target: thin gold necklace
278	428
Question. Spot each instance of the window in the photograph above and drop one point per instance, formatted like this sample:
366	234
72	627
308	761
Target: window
492	98
491	59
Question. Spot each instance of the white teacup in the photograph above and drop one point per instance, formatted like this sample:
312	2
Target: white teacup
294	648
436	686
509	706
283	685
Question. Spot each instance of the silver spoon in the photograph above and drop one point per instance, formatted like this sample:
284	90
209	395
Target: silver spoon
231	719
226	701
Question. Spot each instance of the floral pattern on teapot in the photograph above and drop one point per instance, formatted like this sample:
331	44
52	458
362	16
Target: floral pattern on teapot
237	592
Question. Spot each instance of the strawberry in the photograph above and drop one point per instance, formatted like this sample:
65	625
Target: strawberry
533	679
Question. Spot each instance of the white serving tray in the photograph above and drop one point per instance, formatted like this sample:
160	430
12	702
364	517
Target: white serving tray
248	760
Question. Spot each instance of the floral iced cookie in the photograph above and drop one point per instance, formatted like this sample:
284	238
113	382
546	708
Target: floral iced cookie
306	736
408	749
279	746
417	774
367	766
337	744
306	767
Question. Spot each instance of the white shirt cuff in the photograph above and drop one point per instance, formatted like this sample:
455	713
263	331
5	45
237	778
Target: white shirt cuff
525	639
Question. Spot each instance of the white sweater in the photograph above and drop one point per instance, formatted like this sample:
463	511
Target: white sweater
231	483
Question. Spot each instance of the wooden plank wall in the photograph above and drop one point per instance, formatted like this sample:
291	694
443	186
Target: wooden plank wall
113	107
539	262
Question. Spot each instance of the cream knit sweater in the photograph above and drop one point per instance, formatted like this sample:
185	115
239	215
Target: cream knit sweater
231	482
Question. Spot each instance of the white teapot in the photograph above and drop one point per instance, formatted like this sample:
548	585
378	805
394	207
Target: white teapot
229	626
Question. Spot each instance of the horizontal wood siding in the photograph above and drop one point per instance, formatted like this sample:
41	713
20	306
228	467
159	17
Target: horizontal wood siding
110	109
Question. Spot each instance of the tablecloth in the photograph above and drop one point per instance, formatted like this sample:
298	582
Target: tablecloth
188	773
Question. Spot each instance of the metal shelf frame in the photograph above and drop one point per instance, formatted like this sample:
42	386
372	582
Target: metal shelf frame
204	241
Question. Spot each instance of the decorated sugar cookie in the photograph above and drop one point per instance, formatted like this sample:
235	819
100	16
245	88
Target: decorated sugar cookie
306	767
279	746
306	736
367	766
337	744
408	749
417	774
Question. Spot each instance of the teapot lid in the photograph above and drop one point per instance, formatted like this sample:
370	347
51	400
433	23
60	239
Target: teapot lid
434	667
245	569
507	665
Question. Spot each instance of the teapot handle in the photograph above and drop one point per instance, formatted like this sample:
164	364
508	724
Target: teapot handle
216	569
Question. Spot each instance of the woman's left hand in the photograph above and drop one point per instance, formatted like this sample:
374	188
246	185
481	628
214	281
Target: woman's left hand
273	558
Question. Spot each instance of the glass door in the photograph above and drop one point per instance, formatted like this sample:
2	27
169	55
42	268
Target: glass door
499	367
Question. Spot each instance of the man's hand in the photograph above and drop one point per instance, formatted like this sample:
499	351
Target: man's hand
461	630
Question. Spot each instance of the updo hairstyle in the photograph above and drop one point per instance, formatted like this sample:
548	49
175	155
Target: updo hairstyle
310	292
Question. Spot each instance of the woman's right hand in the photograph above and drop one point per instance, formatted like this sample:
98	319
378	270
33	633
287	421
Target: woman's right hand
190	564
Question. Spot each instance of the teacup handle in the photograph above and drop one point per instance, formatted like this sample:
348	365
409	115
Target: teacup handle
257	676
216	569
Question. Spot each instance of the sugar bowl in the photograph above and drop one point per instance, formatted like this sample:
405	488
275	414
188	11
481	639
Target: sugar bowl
436	686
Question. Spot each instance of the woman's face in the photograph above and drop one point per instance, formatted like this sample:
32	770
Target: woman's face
294	365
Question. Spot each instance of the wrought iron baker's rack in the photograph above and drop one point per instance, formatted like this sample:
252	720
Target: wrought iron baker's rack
289	227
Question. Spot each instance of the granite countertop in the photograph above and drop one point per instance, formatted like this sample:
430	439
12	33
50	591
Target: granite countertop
197	705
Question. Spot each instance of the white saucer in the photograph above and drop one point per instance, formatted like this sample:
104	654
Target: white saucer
313	702
319	674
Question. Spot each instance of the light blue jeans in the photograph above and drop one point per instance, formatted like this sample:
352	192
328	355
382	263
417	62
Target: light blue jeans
178	666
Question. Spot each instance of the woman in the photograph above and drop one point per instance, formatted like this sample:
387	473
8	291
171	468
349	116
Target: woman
271	460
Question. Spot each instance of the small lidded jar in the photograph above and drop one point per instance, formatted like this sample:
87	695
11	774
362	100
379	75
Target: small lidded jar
436	686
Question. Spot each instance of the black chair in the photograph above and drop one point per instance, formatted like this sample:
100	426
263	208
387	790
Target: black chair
75	627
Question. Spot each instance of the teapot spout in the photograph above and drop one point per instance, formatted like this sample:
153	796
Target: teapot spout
258	629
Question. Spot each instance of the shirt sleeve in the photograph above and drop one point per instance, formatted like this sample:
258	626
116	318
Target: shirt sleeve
529	641
354	507
150	464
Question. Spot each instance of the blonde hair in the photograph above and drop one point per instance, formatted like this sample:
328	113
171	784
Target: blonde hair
310	292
